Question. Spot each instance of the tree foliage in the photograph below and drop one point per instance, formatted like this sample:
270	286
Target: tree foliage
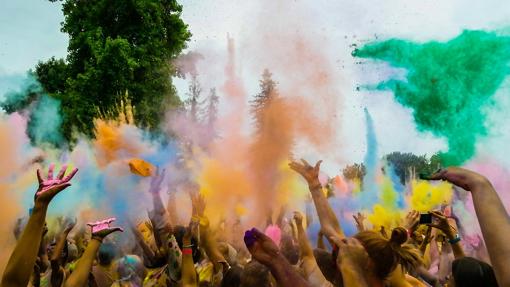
408	165
118	49
354	171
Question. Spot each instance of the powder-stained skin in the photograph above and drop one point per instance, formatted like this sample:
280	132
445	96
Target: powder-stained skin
449	85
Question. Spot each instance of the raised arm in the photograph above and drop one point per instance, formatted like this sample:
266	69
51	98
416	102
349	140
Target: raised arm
441	223
189	276
22	260
57	270
327	218
492	216
265	251
100	230
207	238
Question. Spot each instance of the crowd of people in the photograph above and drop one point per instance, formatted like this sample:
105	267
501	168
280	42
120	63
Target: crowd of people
279	254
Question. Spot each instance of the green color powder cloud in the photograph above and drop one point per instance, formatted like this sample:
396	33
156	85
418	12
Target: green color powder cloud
449	85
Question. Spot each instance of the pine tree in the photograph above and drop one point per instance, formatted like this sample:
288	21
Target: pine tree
268	93
211	112
193	101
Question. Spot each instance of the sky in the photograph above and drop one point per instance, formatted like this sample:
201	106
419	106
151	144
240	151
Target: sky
30	32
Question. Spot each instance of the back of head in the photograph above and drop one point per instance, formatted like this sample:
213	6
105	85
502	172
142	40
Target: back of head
130	267
470	272
387	254
106	253
327	266
255	275
232	277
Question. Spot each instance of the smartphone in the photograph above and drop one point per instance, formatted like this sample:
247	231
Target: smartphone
425	218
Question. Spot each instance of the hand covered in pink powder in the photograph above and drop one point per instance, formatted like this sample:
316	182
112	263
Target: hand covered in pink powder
51	186
101	229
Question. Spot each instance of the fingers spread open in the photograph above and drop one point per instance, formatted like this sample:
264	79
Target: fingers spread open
62	172
50	171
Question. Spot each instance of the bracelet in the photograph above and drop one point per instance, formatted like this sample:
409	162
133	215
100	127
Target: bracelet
454	240
187	251
188	246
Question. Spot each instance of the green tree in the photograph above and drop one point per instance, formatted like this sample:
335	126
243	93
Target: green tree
408	165
354	171
118	50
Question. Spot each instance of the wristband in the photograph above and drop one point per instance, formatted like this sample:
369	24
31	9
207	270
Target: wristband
187	251
454	240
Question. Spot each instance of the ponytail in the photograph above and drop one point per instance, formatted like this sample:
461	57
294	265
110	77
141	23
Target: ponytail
388	254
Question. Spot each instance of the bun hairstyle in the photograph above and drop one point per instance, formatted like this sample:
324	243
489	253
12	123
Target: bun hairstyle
388	254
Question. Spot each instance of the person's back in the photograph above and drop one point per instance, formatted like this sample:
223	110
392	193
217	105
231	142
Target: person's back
104	272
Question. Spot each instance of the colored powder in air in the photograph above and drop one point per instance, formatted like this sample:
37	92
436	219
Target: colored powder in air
369	194
449	85
427	196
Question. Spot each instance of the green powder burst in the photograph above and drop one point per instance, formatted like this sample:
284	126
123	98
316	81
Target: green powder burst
449	85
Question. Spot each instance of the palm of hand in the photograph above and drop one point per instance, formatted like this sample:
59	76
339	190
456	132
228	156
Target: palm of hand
102	228
50	186
310	173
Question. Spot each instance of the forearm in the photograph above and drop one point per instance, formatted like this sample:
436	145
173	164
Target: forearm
157	202
327	218
495	226
189	276
304	245
83	267
22	260
172	209
61	242
286	275
211	249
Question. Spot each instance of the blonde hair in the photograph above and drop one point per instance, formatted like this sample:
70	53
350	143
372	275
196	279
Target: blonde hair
387	254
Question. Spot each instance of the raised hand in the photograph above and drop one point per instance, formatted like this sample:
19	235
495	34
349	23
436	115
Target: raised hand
412	220
69	224
198	204
441	222
359	218
310	173
298	218
156	181
101	229
51	186
261	247
464	178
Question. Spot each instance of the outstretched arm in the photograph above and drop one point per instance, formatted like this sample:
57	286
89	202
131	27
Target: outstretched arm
22	260
327	218
100	230
492	216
